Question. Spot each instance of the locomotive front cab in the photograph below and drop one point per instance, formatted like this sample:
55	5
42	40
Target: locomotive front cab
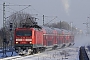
23	39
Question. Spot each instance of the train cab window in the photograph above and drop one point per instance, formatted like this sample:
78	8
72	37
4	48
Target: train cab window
24	33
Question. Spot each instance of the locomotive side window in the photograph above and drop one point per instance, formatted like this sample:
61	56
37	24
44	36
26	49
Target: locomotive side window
24	33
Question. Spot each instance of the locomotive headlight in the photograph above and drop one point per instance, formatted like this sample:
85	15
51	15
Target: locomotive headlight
30	42
16	42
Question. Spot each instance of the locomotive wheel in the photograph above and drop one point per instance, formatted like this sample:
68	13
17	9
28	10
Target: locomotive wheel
38	50
35	50
31	53
43	49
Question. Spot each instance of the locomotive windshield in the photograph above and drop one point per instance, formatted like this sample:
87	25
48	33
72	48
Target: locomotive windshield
24	33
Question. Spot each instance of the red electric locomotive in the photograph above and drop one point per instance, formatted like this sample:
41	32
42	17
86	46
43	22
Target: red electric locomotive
33	40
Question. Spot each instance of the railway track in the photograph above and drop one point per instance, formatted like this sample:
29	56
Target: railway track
82	54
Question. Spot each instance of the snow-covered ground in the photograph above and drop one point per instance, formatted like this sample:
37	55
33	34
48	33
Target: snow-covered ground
8	54
68	53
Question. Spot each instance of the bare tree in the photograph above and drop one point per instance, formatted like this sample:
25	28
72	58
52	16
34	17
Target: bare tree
19	18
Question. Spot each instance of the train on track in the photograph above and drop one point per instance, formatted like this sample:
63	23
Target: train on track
29	40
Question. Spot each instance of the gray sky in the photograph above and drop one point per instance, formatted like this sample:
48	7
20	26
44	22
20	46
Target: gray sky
75	11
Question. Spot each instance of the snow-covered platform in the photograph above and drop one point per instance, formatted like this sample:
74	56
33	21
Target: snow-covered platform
67	53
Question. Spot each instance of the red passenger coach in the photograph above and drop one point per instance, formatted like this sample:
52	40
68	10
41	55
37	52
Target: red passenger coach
33	40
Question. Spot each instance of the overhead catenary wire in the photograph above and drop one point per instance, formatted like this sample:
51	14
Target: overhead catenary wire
14	5
24	9
17	5
51	20
11	8
5	11
19	11
36	10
